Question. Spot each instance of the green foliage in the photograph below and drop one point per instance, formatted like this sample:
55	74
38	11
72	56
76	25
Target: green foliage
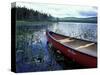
25	14
74	19
30	15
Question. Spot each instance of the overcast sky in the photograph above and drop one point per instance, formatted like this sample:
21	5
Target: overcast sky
62	10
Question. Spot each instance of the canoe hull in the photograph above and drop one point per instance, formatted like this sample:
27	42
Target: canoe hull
81	58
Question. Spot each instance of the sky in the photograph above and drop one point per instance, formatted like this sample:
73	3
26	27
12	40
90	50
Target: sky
61	11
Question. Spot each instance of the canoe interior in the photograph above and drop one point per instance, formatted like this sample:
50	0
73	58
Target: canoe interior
83	46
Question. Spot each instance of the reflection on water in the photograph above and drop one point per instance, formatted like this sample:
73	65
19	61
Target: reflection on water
32	52
85	31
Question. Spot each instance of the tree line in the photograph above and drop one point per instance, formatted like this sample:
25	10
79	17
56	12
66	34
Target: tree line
25	14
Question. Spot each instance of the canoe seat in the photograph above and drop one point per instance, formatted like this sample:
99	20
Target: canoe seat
84	46
66	40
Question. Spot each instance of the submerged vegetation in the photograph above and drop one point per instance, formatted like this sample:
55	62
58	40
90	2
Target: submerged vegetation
30	49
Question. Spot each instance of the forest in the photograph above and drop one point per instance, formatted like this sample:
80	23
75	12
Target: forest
30	15
25	14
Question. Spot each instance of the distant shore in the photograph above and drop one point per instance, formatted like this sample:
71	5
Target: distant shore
46	22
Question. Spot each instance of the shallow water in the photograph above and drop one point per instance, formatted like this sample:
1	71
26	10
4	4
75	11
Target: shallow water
32	50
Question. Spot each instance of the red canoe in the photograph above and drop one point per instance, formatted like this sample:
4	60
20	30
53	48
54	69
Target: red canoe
81	51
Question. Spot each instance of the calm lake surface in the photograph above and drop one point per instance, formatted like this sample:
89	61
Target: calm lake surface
31	39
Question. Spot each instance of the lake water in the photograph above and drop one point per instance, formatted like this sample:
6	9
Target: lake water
87	31
34	35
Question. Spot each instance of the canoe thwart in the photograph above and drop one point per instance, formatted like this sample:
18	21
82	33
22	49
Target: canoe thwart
84	46
65	40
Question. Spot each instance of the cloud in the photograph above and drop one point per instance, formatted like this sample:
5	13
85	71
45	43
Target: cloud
62	10
88	13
